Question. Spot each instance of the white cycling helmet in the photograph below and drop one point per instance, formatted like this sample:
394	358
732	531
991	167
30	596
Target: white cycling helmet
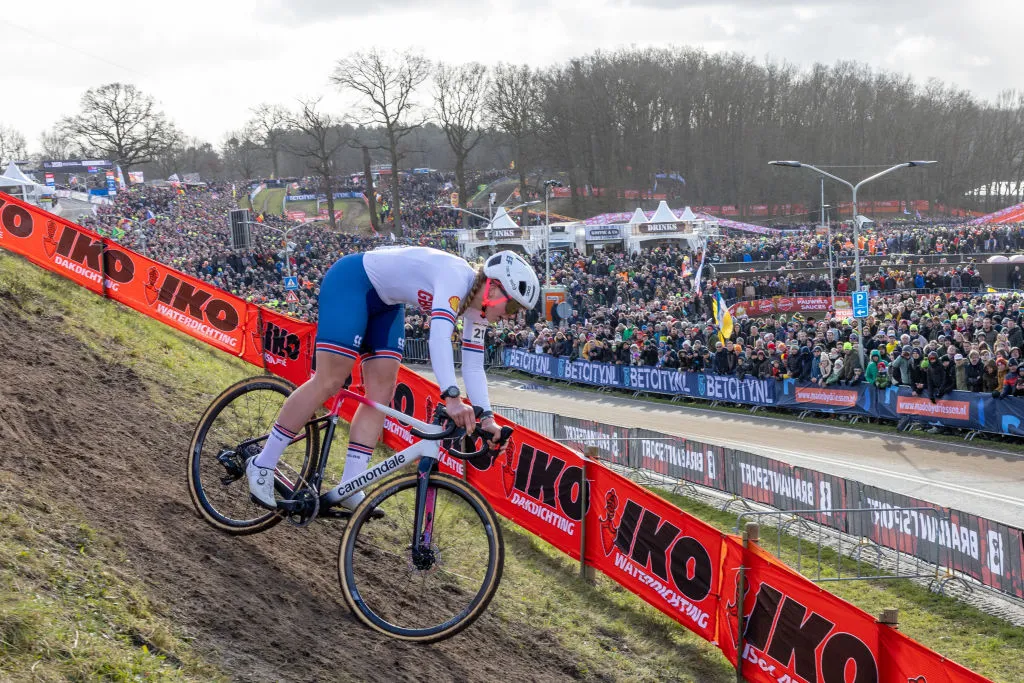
515	276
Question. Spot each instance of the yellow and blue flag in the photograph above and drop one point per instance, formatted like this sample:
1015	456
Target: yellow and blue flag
722	317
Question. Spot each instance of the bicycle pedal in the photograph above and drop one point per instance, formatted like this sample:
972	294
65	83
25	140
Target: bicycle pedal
259	503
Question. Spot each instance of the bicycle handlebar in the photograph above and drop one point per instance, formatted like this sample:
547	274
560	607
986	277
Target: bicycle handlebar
453	431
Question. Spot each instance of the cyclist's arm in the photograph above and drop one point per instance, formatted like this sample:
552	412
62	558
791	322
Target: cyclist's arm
442	359
474	333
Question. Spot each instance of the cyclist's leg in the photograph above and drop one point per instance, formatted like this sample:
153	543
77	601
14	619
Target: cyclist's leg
340	333
385	336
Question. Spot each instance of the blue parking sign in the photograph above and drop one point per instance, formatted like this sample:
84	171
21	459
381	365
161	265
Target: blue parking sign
860	304
291	283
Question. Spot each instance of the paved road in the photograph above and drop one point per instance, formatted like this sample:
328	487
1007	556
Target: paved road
73	210
982	481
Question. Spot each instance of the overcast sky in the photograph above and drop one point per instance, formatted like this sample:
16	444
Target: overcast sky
208	62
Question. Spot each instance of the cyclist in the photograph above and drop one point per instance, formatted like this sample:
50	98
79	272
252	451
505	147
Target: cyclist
362	314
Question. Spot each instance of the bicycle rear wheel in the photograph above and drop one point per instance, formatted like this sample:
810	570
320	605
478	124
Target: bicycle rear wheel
234	427
416	598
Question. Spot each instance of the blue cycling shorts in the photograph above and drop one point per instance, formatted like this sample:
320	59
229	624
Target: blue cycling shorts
353	319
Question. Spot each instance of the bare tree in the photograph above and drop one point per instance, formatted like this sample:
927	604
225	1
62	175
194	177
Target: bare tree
320	140
371	193
386	84
241	154
459	96
268	126
12	145
57	144
514	108
120	121
191	155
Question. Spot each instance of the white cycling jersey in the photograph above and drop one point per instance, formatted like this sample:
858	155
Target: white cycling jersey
435	282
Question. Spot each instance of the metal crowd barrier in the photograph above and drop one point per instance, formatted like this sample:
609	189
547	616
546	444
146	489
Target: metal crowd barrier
418	351
842	529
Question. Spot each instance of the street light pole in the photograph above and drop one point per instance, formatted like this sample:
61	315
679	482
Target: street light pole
287	248
828	237
856	223
548	184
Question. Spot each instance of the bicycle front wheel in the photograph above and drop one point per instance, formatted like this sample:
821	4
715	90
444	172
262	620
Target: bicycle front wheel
431	594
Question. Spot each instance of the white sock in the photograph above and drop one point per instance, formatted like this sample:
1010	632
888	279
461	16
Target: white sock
357	460
278	440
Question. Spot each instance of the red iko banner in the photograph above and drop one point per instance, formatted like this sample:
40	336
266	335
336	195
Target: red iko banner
793	634
672	560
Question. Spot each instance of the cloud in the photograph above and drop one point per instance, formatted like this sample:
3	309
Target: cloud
208	62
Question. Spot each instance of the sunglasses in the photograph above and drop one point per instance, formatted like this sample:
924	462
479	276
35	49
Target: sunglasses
512	307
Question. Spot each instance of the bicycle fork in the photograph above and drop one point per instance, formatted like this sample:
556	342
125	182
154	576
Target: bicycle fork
423	555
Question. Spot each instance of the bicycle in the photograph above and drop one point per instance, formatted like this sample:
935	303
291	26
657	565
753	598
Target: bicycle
425	534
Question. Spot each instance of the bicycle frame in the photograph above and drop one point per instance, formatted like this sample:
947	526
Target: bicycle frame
426	451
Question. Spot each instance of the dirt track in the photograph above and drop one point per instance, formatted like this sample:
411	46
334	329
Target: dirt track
261	608
983	481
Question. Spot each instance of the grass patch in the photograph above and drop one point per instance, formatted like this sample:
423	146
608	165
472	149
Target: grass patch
269	201
613	634
355	219
66	613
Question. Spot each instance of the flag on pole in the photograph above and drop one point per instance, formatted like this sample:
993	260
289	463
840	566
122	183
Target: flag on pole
722	317
120	179
696	278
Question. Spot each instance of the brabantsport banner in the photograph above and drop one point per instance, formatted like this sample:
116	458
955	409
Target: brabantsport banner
987	551
787	487
679	458
612	442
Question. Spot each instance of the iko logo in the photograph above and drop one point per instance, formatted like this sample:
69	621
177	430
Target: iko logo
658	545
15	219
546	479
279	342
790	636
200	305
76	251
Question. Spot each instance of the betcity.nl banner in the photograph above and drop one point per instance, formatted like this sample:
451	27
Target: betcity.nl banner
672	560
959	409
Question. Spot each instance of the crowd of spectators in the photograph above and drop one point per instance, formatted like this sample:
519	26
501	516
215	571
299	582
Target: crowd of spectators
643	309
901	237
931	343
